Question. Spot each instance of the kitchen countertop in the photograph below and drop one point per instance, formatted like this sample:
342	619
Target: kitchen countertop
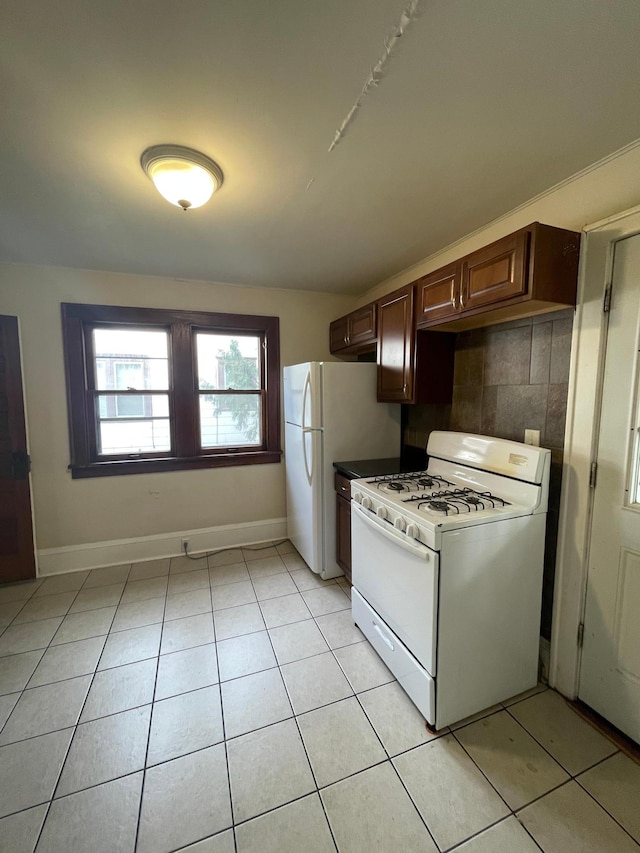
369	467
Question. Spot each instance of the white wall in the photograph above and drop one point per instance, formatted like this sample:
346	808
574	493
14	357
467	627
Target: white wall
71	512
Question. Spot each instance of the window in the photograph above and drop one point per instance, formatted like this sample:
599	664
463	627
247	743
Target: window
153	390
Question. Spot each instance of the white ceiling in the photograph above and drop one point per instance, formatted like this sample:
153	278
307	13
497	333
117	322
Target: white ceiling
482	106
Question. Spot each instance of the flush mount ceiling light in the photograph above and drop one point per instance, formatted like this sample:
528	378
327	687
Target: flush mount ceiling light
183	176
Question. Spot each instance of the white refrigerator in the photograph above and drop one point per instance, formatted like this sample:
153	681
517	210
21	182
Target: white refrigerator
331	415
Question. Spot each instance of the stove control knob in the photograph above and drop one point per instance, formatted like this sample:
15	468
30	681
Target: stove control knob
367	503
357	496
412	531
382	512
400	524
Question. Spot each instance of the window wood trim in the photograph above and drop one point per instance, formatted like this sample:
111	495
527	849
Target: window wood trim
78	321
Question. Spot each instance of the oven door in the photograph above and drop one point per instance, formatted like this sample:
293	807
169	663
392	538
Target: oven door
398	577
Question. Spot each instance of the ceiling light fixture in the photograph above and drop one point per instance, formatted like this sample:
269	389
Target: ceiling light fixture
183	176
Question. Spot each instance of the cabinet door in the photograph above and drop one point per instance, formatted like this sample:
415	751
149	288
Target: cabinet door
339	334
496	272
439	295
362	325
396	346
343	535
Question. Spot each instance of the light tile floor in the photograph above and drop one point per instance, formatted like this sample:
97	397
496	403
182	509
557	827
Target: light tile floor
229	705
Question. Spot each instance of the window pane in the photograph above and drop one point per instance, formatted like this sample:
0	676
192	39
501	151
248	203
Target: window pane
228	362
131	359
130	406
133	423
134	437
230	420
128	375
133	406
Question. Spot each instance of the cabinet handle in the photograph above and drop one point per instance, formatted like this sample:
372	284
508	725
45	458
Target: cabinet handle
462	298
453	295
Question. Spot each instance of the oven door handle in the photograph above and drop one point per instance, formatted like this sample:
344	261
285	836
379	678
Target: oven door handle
390	532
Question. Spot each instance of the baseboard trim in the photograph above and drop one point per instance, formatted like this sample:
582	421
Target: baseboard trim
96	555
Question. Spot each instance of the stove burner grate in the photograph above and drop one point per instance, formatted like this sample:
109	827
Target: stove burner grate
439	506
409	482
455	501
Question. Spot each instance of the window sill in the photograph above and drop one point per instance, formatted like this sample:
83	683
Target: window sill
155	466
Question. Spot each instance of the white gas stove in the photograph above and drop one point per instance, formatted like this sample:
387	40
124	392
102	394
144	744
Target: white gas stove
447	571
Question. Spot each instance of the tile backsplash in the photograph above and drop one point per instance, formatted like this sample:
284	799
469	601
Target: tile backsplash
508	378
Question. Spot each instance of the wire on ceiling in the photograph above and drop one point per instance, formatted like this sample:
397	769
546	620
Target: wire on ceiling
408	16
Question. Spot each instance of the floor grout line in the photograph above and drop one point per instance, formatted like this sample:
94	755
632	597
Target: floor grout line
318	788
482	771
542	746
459	844
389	758
226	743
224	731
304	747
71	739
604	808
146	754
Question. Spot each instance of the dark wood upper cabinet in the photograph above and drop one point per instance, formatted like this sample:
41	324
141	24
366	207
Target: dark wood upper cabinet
354	333
362	325
531	271
495	272
396	346
413	367
339	334
439	294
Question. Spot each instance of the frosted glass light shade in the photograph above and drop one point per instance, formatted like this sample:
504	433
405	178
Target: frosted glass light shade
183	176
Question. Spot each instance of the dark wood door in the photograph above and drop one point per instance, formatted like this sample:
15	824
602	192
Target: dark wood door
496	272
343	535
439	295
396	346
17	557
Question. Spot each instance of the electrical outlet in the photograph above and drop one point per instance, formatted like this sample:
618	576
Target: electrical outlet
185	545
532	436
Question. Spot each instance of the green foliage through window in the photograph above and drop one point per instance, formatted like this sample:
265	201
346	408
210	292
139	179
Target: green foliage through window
240	374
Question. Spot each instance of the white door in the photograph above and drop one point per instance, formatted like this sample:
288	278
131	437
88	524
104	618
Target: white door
610	667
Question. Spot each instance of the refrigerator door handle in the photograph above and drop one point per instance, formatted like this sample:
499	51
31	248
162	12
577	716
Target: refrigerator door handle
308	472
305	392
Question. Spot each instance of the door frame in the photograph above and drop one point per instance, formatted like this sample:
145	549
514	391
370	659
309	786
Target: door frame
588	350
